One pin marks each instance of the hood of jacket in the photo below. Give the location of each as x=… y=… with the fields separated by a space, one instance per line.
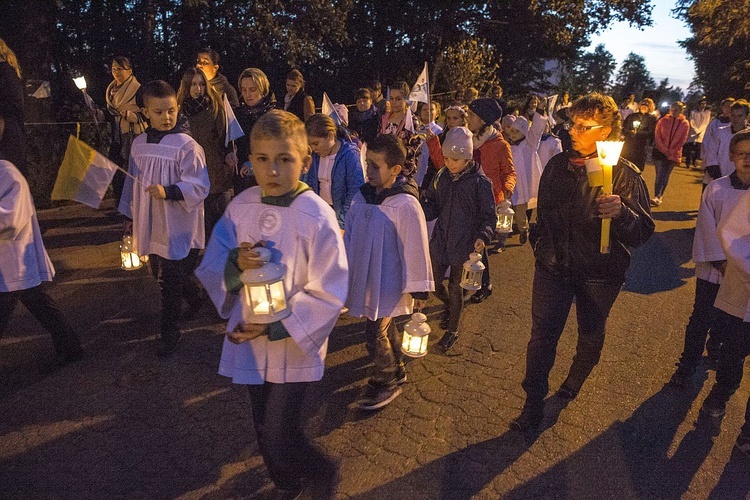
x=403 y=185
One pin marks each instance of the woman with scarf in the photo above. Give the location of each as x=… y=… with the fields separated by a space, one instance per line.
x=256 y=99
x=202 y=105
x=124 y=115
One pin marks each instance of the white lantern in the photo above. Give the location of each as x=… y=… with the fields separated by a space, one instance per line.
x=130 y=259
x=504 y=217
x=471 y=278
x=416 y=333
x=263 y=295
x=80 y=82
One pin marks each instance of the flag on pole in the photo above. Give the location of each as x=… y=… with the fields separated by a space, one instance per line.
x=330 y=109
x=232 y=129
x=84 y=174
x=551 y=103
x=420 y=92
x=43 y=92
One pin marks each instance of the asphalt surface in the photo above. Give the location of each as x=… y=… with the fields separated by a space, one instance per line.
x=123 y=423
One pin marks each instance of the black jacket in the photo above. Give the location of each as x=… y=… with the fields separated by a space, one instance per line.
x=567 y=236
x=464 y=207
x=13 y=143
x=637 y=139
x=367 y=124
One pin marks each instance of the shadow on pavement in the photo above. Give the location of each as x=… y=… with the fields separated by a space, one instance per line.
x=657 y=266
x=633 y=457
x=672 y=216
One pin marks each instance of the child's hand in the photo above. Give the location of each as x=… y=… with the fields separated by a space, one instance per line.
x=245 y=332
x=610 y=206
x=127 y=227
x=157 y=192
x=419 y=304
x=479 y=245
x=231 y=159
x=248 y=258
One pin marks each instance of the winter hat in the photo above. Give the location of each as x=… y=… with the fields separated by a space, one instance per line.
x=458 y=144
x=487 y=109
x=508 y=120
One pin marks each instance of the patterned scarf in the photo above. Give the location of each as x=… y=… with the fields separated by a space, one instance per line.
x=192 y=107
x=576 y=161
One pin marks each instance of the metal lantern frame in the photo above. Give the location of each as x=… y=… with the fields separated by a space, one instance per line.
x=471 y=276
x=505 y=216
x=130 y=261
x=263 y=295
x=416 y=335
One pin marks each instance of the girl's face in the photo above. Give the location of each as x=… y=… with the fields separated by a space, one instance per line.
x=513 y=134
x=454 y=118
x=424 y=114
x=197 y=87
x=398 y=101
x=119 y=73
x=250 y=92
x=292 y=87
x=475 y=123
x=322 y=145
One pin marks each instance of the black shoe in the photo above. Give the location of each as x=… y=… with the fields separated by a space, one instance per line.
x=529 y=420
x=524 y=237
x=481 y=295
x=194 y=305
x=401 y=375
x=566 y=393
x=168 y=346
x=65 y=358
x=448 y=340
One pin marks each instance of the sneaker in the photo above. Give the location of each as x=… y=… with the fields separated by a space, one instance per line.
x=375 y=396
x=743 y=444
x=656 y=201
x=448 y=340
x=168 y=346
x=444 y=322
x=481 y=295
x=713 y=411
x=65 y=358
x=400 y=374
x=524 y=237
x=529 y=420
x=683 y=377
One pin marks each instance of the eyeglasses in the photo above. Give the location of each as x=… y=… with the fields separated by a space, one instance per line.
x=744 y=155
x=578 y=128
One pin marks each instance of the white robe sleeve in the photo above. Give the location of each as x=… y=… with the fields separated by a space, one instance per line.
x=16 y=206
x=211 y=271
x=706 y=244
x=711 y=145
x=317 y=306
x=536 y=130
x=413 y=245
x=734 y=233
x=193 y=182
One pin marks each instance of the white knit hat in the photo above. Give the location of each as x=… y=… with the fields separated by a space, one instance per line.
x=458 y=144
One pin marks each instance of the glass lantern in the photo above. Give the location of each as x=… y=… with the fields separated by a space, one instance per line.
x=416 y=333
x=471 y=279
x=264 y=298
x=504 y=217
x=130 y=259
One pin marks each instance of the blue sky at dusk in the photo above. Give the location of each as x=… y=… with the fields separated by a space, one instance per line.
x=657 y=44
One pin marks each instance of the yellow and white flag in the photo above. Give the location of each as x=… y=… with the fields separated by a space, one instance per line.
x=84 y=174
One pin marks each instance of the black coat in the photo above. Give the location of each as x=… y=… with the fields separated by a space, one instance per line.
x=12 y=144
x=638 y=139
x=567 y=236
x=465 y=211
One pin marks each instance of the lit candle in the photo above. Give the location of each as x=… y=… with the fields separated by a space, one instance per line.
x=609 y=154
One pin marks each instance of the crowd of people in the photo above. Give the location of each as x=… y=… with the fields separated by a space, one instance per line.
x=371 y=208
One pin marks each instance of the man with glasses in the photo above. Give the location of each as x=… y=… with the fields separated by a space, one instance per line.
x=569 y=264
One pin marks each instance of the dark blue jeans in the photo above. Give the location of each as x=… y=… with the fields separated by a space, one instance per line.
x=551 y=298
x=704 y=319
x=663 y=171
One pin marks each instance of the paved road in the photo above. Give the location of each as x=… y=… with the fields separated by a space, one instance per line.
x=123 y=423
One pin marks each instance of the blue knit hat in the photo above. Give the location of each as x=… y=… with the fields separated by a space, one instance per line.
x=487 y=109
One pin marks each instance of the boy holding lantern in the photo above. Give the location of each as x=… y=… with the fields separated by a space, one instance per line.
x=569 y=262
x=461 y=199
x=278 y=360
x=387 y=246
x=165 y=203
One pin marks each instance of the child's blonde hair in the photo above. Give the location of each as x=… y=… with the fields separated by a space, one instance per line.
x=9 y=56
x=278 y=124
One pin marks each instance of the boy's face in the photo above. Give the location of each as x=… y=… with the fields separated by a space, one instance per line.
x=161 y=112
x=363 y=104
x=278 y=164
x=455 y=165
x=740 y=156
x=379 y=174
x=204 y=62
x=738 y=118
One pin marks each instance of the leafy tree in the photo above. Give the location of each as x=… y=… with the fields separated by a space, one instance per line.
x=668 y=92
x=592 y=71
x=633 y=78
x=720 y=45
x=469 y=63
